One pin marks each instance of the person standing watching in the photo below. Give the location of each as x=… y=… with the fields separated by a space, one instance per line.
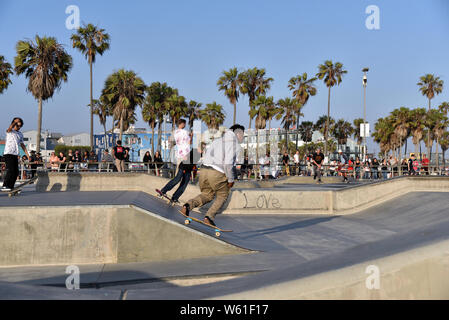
x=285 y=160
x=317 y=159
x=297 y=166
x=119 y=154
x=14 y=140
x=216 y=177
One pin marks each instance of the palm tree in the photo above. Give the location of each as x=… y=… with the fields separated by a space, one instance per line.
x=444 y=143
x=290 y=109
x=430 y=85
x=176 y=106
x=213 y=115
x=401 y=124
x=102 y=110
x=431 y=123
x=444 y=108
x=305 y=129
x=5 y=72
x=342 y=131
x=322 y=124
x=46 y=64
x=229 y=82
x=417 y=126
x=124 y=90
x=262 y=109
x=193 y=112
x=384 y=135
x=157 y=95
x=441 y=124
x=303 y=89
x=91 y=40
x=254 y=83
x=331 y=75
x=150 y=111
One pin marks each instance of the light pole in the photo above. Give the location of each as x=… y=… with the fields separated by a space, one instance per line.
x=364 y=82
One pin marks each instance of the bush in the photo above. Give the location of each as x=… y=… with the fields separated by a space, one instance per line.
x=65 y=149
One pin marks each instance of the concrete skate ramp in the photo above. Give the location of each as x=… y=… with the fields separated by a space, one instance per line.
x=52 y=235
x=263 y=197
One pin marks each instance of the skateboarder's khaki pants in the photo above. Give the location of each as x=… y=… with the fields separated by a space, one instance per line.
x=212 y=184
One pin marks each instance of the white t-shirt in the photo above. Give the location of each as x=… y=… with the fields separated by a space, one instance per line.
x=182 y=139
x=13 y=141
x=296 y=157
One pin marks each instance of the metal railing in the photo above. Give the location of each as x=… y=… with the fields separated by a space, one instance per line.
x=250 y=172
x=27 y=170
x=257 y=172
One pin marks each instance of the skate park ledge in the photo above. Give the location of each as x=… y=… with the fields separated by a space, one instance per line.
x=264 y=198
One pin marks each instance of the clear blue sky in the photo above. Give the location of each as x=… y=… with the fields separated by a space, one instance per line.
x=189 y=43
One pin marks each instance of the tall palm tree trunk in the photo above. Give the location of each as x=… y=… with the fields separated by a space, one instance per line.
x=91 y=107
x=159 y=136
x=257 y=146
x=428 y=140
x=437 y=154
x=152 y=140
x=326 y=132
x=39 y=125
x=235 y=111
x=121 y=127
x=297 y=133
x=105 y=135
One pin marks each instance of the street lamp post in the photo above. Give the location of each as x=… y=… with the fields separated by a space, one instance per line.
x=364 y=82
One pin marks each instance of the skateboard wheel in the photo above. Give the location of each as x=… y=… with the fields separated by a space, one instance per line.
x=217 y=233
x=186 y=221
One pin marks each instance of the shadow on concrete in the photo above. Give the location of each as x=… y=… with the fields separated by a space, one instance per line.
x=97 y=280
x=74 y=181
x=57 y=187
x=291 y=226
x=43 y=181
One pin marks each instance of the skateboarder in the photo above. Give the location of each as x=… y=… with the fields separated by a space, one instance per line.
x=216 y=177
x=185 y=163
x=14 y=140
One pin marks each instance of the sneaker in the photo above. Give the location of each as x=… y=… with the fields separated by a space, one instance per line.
x=185 y=210
x=175 y=201
x=6 y=189
x=209 y=221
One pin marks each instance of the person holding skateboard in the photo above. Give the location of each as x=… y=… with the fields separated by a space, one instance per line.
x=216 y=177
x=14 y=140
x=317 y=160
x=185 y=161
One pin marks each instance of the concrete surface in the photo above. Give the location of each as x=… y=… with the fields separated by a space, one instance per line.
x=296 y=256
x=66 y=231
x=286 y=195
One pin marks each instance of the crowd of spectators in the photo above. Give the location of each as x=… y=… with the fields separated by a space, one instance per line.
x=370 y=168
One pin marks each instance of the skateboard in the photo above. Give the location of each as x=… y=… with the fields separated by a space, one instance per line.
x=17 y=190
x=161 y=195
x=189 y=219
